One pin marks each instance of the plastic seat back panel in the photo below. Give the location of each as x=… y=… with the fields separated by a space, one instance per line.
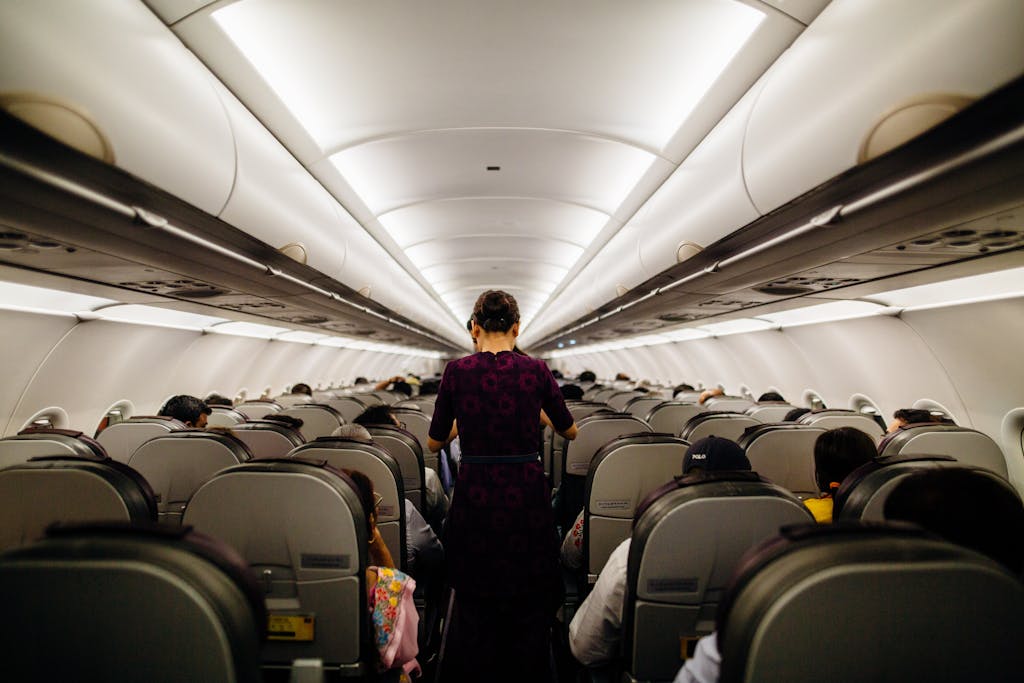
x=671 y=416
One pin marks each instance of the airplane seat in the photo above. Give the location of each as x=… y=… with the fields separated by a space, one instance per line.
x=688 y=538
x=161 y=604
x=603 y=394
x=425 y=404
x=640 y=406
x=578 y=410
x=301 y=527
x=258 y=408
x=385 y=474
x=622 y=473
x=833 y=418
x=619 y=399
x=317 y=419
x=388 y=398
x=728 y=425
x=69 y=489
x=590 y=391
x=177 y=464
x=968 y=446
x=407 y=452
x=350 y=407
x=371 y=398
x=594 y=432
x=854 y=602
x=291 y=400
x=120 y=440
x=769 y=411
x=783 y=454
x=267 y=439
x=42 y=441
x=729 y=404
x=224 y=416
x=863 y=493
x=417 y=423
x=670 y=417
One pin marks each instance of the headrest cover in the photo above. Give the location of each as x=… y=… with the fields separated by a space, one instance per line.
x=714 y=453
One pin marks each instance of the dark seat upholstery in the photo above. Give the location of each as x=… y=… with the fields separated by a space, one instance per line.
x=844 y=604
x=129 y=604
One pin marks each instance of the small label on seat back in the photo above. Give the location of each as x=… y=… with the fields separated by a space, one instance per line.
x=613 y=504
x=672 y=585
x=320 y=561
x=296 y=627
x=578 y=467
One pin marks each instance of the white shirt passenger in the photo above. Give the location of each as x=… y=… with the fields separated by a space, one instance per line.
x=596 y=630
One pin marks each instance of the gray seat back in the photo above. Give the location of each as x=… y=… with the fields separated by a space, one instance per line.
x=128 y=605
x=120 y=440
x=301 y=527
x=578 y=410
x=686 y=545
x=35 y=443
x=255 y=409
x=863 y=494
x=377 y=464
x=669 y=417
x=417 y=423
x=733 y=404
x=406 y=450
x=177 y=464
x=619 y=399
x=784 y=454
x=769 y=412
x=726 y=425
x=939 y=602
x=968 y=446
x=621 y=475
x=289 y=400
x=425 y=404
x=371 y=398
x=349 y=407
x=640 y=406
x=317 y=419
x=267 y=439
x=41 y=492
x=833 y=418
x=388 y=397
x=590 y=390
x=223 y=416
x=603 y=394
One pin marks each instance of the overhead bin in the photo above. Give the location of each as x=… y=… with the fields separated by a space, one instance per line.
x=115 y=70
x=865 y=70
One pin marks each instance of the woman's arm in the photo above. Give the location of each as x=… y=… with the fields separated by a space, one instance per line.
x=434 y=445
x=571 y=432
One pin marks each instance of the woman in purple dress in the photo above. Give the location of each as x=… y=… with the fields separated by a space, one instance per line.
x=500 y=537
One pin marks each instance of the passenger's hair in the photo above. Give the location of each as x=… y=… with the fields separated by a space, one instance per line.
x=770 y=396
x=966 y=507
x=376 y=415
x=838 y=452
x=402 y=387
x=355 y=432
x=284 y=420
x=642 y=390
x=218 y=400
x=557 y=374
x=587 y=376
x=429 y=387
x=361 y=380
x=364 y=489
x=185 y=408
x=913 y=415
x=571 y=392
x=795 y=414
x=496 y=311
x=302 y=388
x=621 y=377
x=680 y=388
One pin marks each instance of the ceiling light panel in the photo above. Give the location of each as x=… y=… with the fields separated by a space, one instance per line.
x=450 y=277
x=835 y=310
x=1000 y=284
x=494 y=249
x=399 y=171
x=47 y=300
x=248 y=330
x=301 y=336
x=534 y=63
x=153 y=315
x=737 y=326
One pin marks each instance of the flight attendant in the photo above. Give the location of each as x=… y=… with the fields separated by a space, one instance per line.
x=500 y=540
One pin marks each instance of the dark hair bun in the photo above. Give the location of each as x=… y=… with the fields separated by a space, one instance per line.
x=496 y=311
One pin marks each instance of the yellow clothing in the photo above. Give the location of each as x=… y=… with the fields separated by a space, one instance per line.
x=821 y=508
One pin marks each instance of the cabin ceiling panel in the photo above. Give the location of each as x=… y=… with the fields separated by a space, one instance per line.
x=449 y=277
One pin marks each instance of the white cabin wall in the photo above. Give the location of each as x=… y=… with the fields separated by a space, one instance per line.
x=85 y=367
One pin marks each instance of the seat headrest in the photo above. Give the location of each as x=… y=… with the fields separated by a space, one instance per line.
x=697 y=478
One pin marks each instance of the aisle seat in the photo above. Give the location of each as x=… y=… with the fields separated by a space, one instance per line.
x=43 y=441
x=406 y=450
x=120 y=440
x=418 y=424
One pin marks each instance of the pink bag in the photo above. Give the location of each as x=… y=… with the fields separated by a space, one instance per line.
x=395 y=620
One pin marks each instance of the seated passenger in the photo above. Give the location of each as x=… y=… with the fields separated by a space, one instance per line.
x=218 y=400
x=587 y=376
x=837 y=452
x=361 y=380
x=302 y=389
x=595 y=631
x=771 y=396
x=961 y=506
x=681 y=388
x=388 y=593
x=396 y=383
x=571 y=392
x=435 y=503
x=795 y=414
x=186 y=409
x=909 y=416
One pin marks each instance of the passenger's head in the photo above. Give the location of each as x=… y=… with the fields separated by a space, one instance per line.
x=571 y=392
x=187 y=409
x=557 y=374
x=587 y=376
x=377 y=415
x=965 y=507
x=838 y=452
x=429 y=387
x=496 y=312
x=361 y=380
x=364 y=488
x=680 y=388
x=284 y=420
x=909 y=416
x=402 y=388
x=795 y=414
x=713 y=454
x=771 y=396
x=355 y=432
x=302 y=388
x=218 y=400
x=621 y=377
